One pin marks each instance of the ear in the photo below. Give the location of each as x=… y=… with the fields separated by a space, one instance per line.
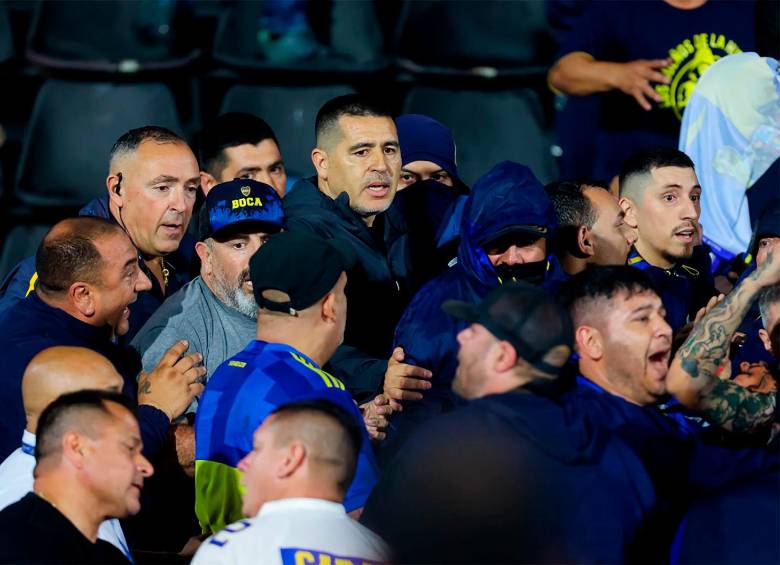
x=506 y=358
x=585 y=242
x=73 y=449
x=204 y=253
x=764 y=336
x=629 y=207
x=293 y=460
x=82 y=298
x=112 y=181
x=329 y=308
x=589 y=342
x=207 y=182
x=320 y=161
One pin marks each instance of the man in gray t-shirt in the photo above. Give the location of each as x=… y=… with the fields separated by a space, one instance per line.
x=216 y=312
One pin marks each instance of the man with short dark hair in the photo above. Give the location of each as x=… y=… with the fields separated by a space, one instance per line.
x=302 y=312
x=216 y=313
x=660 y=195
x=358 y=160
x=152 y=182
x=52 y=373
x=521 y=480
x=591 y=226
x=89 y=275
x=303 y=459
x=89 y=467
x=624 y=345
x=237 y=145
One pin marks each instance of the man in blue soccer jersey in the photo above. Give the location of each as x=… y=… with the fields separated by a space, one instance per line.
x=298 y=281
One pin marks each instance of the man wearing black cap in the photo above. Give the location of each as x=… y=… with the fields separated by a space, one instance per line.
x=298 y=281
x=504 y=231
x=509 y=478
x=216 y=313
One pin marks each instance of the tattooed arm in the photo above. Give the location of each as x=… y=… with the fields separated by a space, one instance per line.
x=693 y=376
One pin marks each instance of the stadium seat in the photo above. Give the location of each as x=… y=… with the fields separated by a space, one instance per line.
x=486 y=38
x=21 y=242
x=489 y=127
x=121 y=36
x=6 y=39
x=290 y=111
x=64 y=158
x=320 y=37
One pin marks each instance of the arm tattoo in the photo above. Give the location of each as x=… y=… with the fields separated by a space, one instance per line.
x=145 y=386
x=724 y=403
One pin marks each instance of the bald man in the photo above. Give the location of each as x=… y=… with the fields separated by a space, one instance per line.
x=50 y=374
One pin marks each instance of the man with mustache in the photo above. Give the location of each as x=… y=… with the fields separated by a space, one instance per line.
x=358 y=162
x=216 y=312
x=89 y=468
x=152 y=182
x=661 y=195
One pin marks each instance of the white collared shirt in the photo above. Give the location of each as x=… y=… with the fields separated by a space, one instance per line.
x=294 y=531
x=16 y=480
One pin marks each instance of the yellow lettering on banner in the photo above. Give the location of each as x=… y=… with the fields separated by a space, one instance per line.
x=325 y=559
x=303 y=558
x=340 y=561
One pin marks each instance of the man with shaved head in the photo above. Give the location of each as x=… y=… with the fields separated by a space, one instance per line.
x=151 y=185
x=88 y=468
x=52 y=373
x=88 y=276
x=660 y=195
x=303 y=458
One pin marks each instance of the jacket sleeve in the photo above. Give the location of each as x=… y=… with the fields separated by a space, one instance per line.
x=362 y=374
x=19 y=282
x=154 y=425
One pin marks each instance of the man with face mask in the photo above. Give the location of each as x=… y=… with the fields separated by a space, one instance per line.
x=506 y=223
x=216 y=313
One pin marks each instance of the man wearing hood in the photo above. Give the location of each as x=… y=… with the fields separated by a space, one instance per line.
x=430 y=195
x=506 y=223
x=510 y=477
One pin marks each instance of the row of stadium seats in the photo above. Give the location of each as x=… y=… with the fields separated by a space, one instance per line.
x=486 y=38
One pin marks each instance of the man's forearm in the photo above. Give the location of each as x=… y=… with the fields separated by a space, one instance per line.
x=579 y=74
x=693 y=377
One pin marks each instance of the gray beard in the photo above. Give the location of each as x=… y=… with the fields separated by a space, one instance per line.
x=235 y=298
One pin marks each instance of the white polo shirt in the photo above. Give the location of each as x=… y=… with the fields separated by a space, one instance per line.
x=295 y=531
x=16 y=480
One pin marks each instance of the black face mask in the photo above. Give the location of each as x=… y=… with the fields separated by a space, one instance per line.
x=532 y=273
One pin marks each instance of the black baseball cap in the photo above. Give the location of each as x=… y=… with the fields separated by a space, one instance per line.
x=240 y=203
x=302 y=265
x=524 y=315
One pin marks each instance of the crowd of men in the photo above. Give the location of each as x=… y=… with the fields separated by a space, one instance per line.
x=379 y=363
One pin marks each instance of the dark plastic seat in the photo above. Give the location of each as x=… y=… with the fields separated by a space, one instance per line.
x=485 y=38
x=120 y=36
x=21 y=242
x=321 y=37
x=6 y=39
x=290 y=111
x=64 y=159
x=489 y=127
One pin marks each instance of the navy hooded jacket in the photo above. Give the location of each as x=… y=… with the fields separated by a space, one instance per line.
x=507 y=195
x=511 y=478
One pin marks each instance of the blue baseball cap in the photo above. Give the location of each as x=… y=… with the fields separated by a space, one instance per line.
x=240 y=202
x=424 y=139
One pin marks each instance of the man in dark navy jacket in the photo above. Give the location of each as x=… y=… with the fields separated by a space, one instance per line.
x=624 y=346
x=152 y=183
x=661 y=196
x=88 y=276
x=510 y=477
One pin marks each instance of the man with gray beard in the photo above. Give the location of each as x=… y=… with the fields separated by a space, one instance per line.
x=216 y=312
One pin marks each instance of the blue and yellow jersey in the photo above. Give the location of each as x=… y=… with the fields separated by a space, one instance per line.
x=241 y=393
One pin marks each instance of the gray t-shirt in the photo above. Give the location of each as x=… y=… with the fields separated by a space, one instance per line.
x=193 y=313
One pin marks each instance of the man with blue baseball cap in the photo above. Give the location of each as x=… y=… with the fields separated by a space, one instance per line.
x=216 y=312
